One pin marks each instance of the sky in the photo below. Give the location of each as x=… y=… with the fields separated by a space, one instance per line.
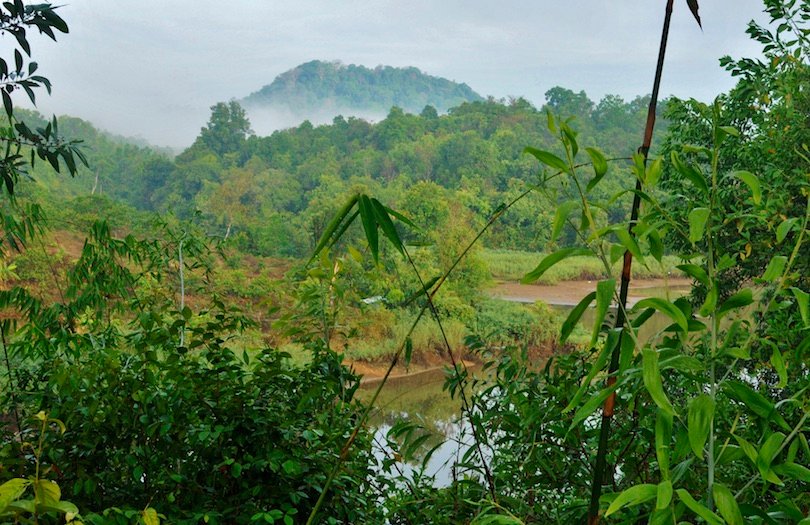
x=151 y=69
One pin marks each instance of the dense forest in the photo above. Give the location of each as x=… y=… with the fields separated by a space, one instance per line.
x=181 y=334
x=319 y=88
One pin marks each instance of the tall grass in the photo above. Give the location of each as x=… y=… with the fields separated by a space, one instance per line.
x=512 y=265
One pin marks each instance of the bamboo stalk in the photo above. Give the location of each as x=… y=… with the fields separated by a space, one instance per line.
x=601 y=471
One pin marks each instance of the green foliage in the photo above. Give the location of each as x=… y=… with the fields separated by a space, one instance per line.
x=18 y=137
x=351 y=88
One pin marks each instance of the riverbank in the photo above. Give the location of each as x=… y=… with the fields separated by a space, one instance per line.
x=564 y=294
x=569 y=293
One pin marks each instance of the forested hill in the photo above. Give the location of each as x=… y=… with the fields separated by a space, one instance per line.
x=318 y=91
x=276 y=193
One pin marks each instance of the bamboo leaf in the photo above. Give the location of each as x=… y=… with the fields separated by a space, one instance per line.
x=656 y=245
x=727 y=505
x=663 y=495
x=756 y=402
x=698 y=508
x=740 y=299
x=574 y=316
x=547 y=158
x=654 y=171
x=632 y=497
x=663 y=436
x=652 y=380
x=629 y=243
x=592 y=404
x=690 y=173
x=560 y=216
x=802 y=299
x=699 y=419
x=665 y=307
x=696 y=272
x=368 y=218
x=387 y=225
x=604 y=296
x=778 y=363
x=793 y=471
x=551 y=260
x=332 y=227
x=599 y=167
x=598 y=366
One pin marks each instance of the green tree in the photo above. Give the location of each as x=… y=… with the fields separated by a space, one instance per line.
x=227 y=128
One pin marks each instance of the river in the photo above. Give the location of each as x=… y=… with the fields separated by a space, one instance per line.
x=420 y=399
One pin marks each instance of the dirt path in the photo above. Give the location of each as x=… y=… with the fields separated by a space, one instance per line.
x=569 y=293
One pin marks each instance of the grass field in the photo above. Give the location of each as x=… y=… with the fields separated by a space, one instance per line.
x=512 y=265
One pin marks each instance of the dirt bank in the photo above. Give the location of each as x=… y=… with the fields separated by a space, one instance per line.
x=569 y=293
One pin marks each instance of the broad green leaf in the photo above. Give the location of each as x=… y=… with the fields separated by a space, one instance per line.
x=726 y=504
x=665 y=307
x=47 y=491
x=752 y=182
x=739 y=300
x=560 y=216
x=604 y=296
x=784 y=228
x=778 y=364
x=633 y=496
x=690 y=173
x=547 y=158
x=664 y=495
x=150 y=516
x=698 y=508
x=65 y=507
x=700 y=417
x=663 y=436
x=698 y=218
x=599 y=166
x=574 y=316
x=629 y=243
x=551 y=260
x=652 y=380
x=775 y=268
x=12 y=490
x=802 y=299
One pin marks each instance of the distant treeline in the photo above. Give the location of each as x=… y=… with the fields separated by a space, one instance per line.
x=276 y=194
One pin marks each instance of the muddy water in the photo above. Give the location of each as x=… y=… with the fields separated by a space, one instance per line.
x=420 y=398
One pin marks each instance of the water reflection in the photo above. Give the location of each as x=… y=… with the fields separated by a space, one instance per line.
x=420 y=399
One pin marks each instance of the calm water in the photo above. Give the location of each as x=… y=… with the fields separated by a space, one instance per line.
x=420 y=399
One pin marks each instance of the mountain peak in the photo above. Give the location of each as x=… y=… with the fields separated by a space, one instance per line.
x=319 y=90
